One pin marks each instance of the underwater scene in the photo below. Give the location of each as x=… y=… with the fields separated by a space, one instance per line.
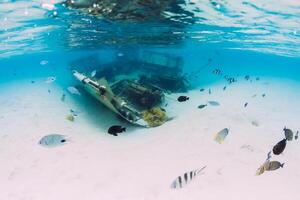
x=149 y=99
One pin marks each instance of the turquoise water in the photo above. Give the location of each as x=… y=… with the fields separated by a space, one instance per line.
x=256 y=38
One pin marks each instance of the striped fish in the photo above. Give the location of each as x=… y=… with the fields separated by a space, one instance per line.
x=184 y=179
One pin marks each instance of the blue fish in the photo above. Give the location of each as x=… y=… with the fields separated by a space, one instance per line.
x=53 y=140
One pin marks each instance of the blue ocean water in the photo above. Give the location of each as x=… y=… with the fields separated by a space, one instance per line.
x=257 y=38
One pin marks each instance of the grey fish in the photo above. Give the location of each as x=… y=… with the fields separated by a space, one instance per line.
x=263 y=95
x=202 y=106
x=245 y=105
x=272 y=165
x=289 y=135
x=202 y=89
x=213 y=103
x=184 y=179
x=247 y=77
x=53 y=140
x=296 y=136
x=224 y=88
x=209 y=91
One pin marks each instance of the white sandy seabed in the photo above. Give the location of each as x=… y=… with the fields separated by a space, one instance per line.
x=142 y=163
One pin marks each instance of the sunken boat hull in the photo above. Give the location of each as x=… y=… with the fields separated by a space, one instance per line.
x=135 y=103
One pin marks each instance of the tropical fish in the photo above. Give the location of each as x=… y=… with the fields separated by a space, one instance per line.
x=202 y=106
x=70 y=117
x=73 y=90
x=75 y=113
x=279 y=147
x=53 y=140
x=247 y=77
x=296 y=136
x=213 y=103
x=186 y=178
x=272 y=165
x=93 y=73
x=245 y=105
x=221 y=135
x=216 y=71
x=114 y=130
x=289 y=135
x=63 y=97
x=262 y=168
x=44 y=62
x=202 y=89
x=255 y=123
x=182 y=98
x=50 y=79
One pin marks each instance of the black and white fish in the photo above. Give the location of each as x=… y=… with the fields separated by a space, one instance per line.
x=213 y=103
x=114 y=130
x=53 y=140
x=289 y=135
x=186 y=178
x=182 y=98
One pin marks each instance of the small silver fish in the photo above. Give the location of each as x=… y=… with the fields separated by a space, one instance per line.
x=50 y=79
x=93 y=73
x=184 y=179
x=213 y=103
x=221 y=135
x=73 y=90
x=53 y=140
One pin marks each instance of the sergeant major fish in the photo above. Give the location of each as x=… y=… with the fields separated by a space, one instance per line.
x=184 y=179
